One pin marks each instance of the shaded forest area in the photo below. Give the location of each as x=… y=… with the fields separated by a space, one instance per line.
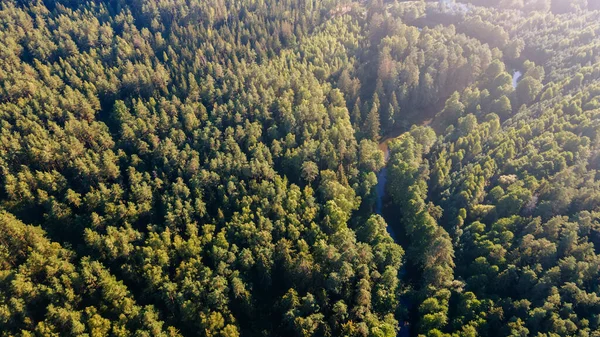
x=209 y=168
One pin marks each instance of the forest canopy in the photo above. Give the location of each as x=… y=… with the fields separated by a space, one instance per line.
x=229 y=168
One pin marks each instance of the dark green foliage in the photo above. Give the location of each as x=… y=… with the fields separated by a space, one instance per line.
x=196 y=159
x=509 y=191
x=183 y=168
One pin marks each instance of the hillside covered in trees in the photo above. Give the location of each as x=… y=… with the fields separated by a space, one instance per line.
x=229 y=168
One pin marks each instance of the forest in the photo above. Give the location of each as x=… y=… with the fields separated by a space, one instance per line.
x=359 y=168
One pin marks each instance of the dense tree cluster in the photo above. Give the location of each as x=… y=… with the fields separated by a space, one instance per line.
x=510 y=182
x=192 y=169
x=183 y=168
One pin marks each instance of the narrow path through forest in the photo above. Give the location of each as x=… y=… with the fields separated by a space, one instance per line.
x=380 y=190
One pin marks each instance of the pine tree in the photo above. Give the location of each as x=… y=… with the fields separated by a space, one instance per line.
x=395 y=106
x=387 y=118
x=356 y=116
x=372 y=125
